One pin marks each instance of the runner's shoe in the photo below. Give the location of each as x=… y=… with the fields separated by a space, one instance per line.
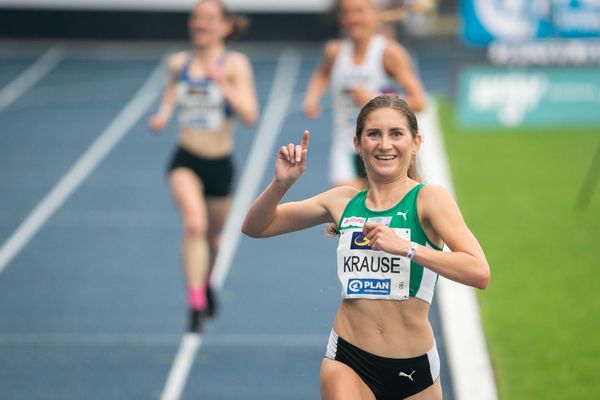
x=196 y=320
x=211 y=301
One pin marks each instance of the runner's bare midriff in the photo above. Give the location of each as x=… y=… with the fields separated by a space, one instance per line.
x=208 y=143
x=388 y=328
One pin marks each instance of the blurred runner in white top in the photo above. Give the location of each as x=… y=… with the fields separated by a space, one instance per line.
x=359 y=67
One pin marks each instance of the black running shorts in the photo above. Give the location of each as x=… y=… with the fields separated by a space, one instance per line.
x=216 y=174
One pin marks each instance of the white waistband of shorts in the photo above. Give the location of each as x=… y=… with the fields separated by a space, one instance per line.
x=332 y=345
x=434 y=361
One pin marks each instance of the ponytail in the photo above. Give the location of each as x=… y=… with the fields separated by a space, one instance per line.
x=413 y=170
x=239 y=25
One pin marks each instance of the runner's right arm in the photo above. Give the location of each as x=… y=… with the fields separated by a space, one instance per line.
x=320 y=80
x=267 y=217
x=160 y=119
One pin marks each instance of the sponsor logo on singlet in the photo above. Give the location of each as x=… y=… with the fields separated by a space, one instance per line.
x=369 y=286
x=353 y=221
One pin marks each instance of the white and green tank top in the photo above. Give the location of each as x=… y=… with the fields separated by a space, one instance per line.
x=372 y=274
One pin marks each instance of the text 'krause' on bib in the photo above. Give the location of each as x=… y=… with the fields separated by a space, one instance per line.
x=371 y=274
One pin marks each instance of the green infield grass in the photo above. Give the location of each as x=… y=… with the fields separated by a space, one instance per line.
x=518 y=190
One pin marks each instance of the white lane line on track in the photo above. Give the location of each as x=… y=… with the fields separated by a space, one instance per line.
x=470 y=367
x=107 y=140
x=184 y=359
x=31 y=75
x=260 y=154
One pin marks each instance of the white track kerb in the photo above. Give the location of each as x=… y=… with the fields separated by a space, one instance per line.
x=468 y=359
x=260 y=154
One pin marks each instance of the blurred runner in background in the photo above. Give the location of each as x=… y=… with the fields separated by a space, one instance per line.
x=359 y=67
x=210 y=85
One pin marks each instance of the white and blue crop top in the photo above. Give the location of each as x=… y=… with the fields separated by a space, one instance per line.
x=201 y=103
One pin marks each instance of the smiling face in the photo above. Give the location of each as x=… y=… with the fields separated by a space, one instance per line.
x=358 y=18
x=207 y=24
x=387 y=144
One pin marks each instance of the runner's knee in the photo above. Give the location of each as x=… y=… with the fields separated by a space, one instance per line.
x=194 y=226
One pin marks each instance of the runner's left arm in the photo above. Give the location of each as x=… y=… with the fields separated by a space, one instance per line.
x=237 y=84
x=398 y=65
x=466 y=263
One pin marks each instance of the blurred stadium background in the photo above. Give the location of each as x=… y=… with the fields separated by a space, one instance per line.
x=517 y=84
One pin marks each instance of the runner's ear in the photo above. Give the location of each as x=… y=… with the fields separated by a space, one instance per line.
x=357 y=145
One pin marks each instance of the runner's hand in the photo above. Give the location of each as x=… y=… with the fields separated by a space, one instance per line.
x=214 y=72
x=291 y=161
x=360 y=95
x=311 y=109
x=383 y=238
x=157 y=122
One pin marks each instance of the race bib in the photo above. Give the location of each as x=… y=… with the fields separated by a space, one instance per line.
x=371 y=274
x=202 y=106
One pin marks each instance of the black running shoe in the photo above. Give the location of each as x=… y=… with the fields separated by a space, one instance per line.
x=211 y=302
x=196 y=321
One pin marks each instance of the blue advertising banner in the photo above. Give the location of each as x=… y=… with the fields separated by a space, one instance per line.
x=485 y=21
x=517 y=97
x=576 y=18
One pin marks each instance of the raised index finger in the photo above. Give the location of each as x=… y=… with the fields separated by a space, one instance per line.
x=304 y=143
